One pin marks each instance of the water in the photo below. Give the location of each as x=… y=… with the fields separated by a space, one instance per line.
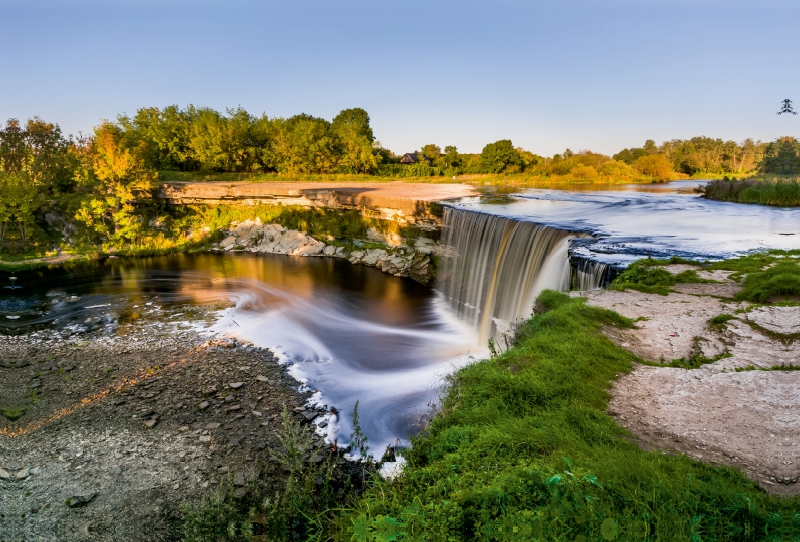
x=500 y=266
x=629 y=222
x=350 y=331
x=354 y=333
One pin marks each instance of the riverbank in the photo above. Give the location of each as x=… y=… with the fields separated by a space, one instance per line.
x=531 y=442
x=775 y=192
x=106 y=434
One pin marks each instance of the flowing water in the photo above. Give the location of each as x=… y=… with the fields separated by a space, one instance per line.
x=354 y=333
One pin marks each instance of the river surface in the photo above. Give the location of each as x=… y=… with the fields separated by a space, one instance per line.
x=628 y=222
x=351 y=331
x=356 y=334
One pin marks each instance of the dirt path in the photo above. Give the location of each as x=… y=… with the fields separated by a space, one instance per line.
x=746 y=419
x=134 y=422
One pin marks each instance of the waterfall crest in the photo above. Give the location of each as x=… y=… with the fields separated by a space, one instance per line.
x=500 y=266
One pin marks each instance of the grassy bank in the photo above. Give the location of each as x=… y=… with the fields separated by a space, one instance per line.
x=523 y=449
x=777 y=192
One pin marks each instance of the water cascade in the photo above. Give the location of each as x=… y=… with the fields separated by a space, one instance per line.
x=500 y=266
x=591 y=275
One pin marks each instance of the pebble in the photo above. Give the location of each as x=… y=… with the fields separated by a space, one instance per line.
x=205 y=438
x=203 y=405
x=4 y=474
x=212 y=425
x=236 y=385
x=80 y=500
x=256 y=413
x=261 y=378
x=150 y=423
x=22 y=474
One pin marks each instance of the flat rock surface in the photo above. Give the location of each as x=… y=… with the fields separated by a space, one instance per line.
x=746 y=418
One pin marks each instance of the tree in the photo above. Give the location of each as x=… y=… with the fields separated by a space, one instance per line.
x=305 y=144
x=499 y=156
x=113 y=181
x=654 y=165
x=358 y=153
x=432 y=152
x=166 y=133
x=782 y=157
x=450 y=158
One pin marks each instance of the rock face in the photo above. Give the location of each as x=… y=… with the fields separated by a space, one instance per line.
x=401 y=260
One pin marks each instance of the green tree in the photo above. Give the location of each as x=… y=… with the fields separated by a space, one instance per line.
x=451 y=158
x=358 y=154
x=113 y=182
x=432 y=152
x=782 y=157
x=305 y=144
x=166 y=134
x=498 y=156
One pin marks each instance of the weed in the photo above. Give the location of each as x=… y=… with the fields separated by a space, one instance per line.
x=696 y=357
x=719 y=321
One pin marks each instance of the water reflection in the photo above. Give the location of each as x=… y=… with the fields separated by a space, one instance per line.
x=350 y=331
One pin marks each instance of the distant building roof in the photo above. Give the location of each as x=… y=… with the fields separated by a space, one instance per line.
x=413 y=158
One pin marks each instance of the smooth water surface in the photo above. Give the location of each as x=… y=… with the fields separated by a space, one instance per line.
x=350 y=331
x=631 y=221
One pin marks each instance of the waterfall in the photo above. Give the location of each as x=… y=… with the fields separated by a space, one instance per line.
x=592 y=275
x=499 y=267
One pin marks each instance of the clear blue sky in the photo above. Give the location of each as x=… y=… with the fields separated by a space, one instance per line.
x=584 y=74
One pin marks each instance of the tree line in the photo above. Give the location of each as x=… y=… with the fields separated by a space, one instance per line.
x=103 y=183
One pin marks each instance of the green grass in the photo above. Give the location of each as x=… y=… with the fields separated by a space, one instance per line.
x=719 y=321
x=523 y=449
x=648 y=276
x=777 y=192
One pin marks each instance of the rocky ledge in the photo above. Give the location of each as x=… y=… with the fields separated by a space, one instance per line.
x=412 y=260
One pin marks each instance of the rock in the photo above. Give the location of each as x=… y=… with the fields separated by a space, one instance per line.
x=329 y=250
x=150 y=423
x=35 y=471
x=261 y=378
x=373 y=256
x=235 y=385
x=212 y=425
x=232 y=408
x=356 y=255
x=234 y=442
x=118 y=402
x=203 y=405
x=238 y=479
x=22 y=474
x=240 y=493
x=205 y=438
x=228 y=242
x=4 y=474
x=81 y=500
x=256 y=413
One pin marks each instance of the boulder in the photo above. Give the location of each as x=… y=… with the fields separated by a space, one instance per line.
x=373 y=256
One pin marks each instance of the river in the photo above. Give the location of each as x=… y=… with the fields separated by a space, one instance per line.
x=355 y=334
